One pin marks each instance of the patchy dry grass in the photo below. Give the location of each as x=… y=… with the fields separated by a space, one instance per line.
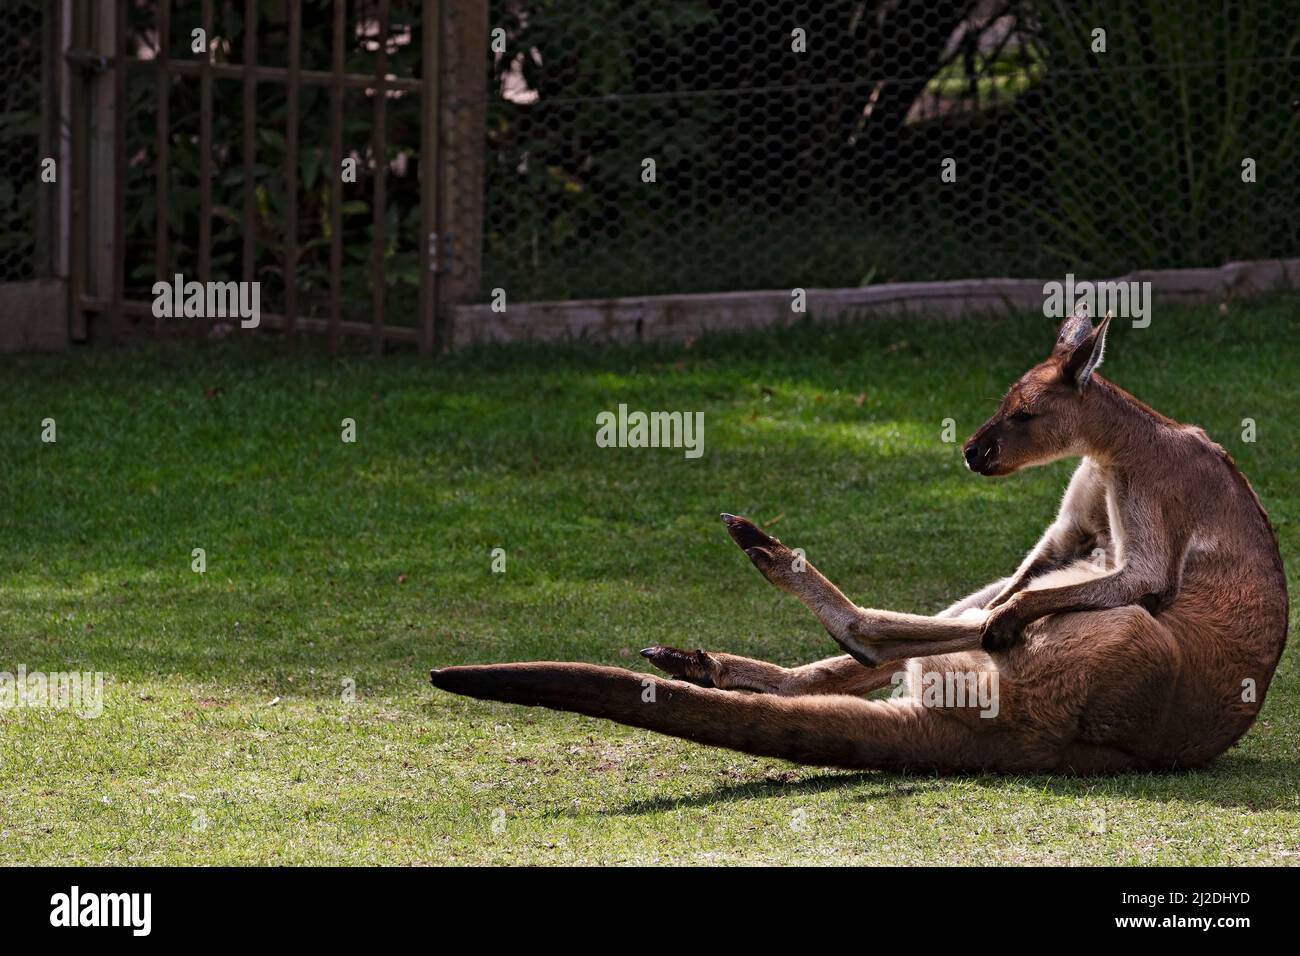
x=226 y=737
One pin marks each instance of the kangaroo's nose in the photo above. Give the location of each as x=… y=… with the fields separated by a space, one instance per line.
x=972 y=455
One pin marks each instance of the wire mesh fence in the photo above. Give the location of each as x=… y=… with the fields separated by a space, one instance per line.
x=21 y=62
x=661 y=146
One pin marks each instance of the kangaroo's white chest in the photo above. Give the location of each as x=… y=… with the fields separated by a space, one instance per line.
x=1115 y=525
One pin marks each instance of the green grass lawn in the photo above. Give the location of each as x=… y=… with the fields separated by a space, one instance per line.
x=227 y=735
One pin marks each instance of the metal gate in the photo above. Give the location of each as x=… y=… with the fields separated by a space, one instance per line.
x=301 y=144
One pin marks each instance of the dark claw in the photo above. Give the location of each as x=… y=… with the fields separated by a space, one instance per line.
x=691 y=666
x=747 y=534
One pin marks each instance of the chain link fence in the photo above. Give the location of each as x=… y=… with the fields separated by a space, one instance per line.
x=663 y=146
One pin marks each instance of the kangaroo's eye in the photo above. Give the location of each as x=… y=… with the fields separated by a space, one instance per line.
x=1021 y=416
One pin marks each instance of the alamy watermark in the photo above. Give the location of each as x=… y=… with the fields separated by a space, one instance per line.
x=949 y=689
x=626 y=429
x=1127 y=300
x=79 y=691
x=133 y=911
x=179 y=299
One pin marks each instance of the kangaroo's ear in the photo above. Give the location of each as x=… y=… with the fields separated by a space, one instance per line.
x=1074 y=330
x=1086 y=355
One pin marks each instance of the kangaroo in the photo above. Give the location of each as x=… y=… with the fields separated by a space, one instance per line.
x=1139 y=634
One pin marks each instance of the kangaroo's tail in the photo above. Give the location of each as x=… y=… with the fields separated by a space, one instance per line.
x=823 y=730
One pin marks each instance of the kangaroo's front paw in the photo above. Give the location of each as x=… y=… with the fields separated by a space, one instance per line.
x=1003 y=629
x=774 y=560
x=694 y=666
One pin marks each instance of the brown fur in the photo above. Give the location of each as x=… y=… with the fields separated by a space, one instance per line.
x=1129 y=638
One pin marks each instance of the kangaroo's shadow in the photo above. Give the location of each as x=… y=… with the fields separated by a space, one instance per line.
x=754 y=789
x=1234 y=781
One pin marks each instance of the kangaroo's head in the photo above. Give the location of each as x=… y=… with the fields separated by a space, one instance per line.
x=1039 y=420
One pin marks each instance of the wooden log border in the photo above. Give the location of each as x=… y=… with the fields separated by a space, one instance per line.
x=675 y=318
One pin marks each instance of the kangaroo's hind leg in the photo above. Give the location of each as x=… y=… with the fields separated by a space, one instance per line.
x=835 y=675
x=873 y=637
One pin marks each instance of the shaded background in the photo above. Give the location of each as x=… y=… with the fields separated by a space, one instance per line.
x=774 y=168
